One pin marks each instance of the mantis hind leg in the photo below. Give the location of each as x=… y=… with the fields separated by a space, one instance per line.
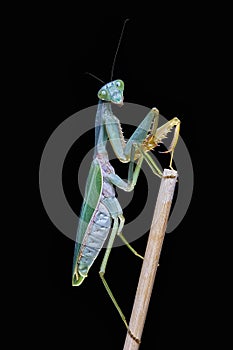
x=114 y=232
x=103 y=269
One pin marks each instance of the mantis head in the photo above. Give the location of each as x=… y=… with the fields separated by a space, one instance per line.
x=112 y=92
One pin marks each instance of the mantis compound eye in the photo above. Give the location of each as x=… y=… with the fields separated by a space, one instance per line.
x=102 y=94
x=119 y=84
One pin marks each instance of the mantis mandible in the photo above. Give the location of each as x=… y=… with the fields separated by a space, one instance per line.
x=101 y=212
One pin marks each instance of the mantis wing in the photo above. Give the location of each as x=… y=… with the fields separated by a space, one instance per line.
x=92 y=195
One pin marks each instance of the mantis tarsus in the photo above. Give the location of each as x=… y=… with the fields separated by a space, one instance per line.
x=101 y=212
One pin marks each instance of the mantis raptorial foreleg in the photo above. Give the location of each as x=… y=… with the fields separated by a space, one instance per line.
x=145 y=138
x=157 y=135
x=174 y=122
x=122 y=149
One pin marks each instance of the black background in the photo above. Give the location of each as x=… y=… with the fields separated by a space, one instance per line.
x=161 y=58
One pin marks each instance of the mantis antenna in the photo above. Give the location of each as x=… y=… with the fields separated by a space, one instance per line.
x=94 y=76
x=114 y=60
x=118 y=45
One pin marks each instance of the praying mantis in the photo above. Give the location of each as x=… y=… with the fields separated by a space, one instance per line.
x=101 y=213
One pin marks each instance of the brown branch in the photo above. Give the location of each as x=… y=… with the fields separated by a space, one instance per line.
x=151 y=259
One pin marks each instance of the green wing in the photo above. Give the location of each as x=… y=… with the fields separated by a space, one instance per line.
x=92 y=194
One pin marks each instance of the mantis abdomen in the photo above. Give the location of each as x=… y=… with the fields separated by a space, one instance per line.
x=99 y=208
x=96 y=234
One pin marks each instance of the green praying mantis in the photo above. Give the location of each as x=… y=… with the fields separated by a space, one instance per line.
x=101 y=213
